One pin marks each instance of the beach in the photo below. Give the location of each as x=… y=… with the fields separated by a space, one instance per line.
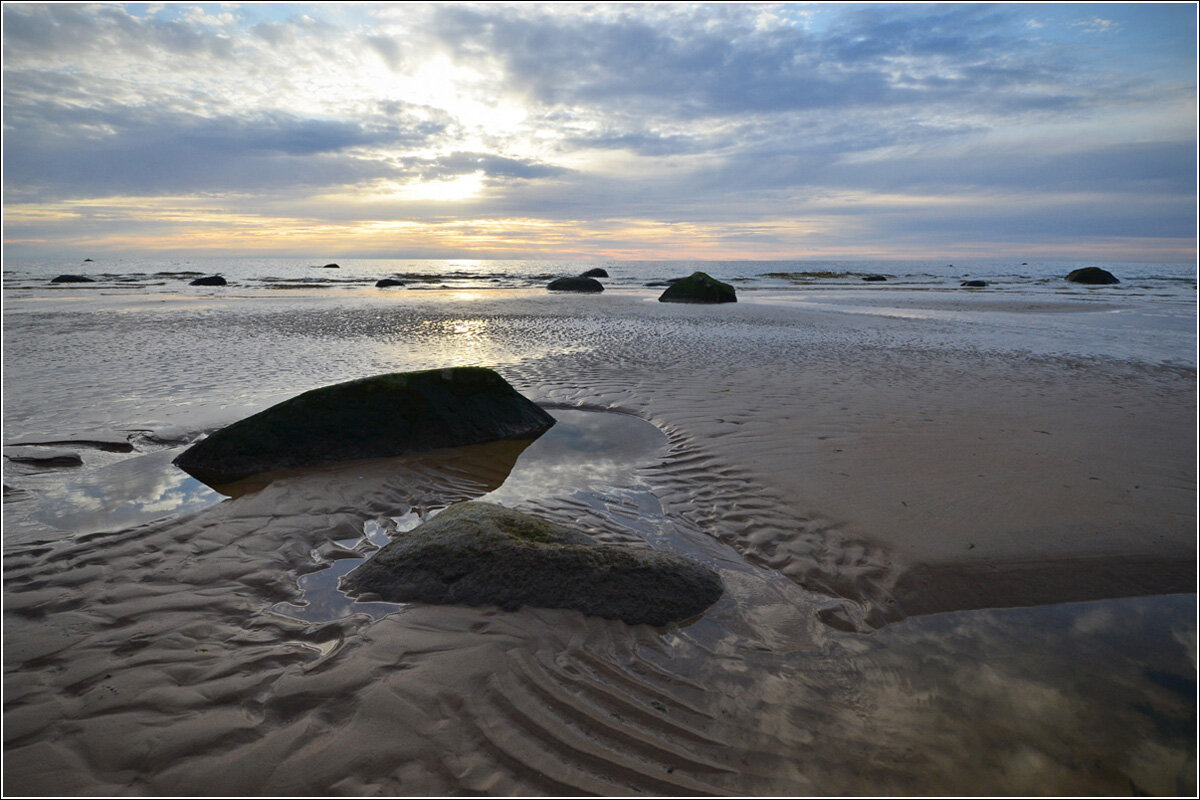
x=956 y=531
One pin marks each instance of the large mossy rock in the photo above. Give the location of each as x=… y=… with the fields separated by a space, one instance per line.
x=699 y=287
x=579 y=284
x=1093 y=276
x=483 y=554
x=378 y=417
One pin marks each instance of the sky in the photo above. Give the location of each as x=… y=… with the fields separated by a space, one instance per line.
x=601 y=131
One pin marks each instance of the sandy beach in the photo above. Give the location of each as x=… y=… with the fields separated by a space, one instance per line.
x=953 y=563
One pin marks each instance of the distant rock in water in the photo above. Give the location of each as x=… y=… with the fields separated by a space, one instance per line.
x=43 y=456
x=86 y=260
x=73 y=279
x=386 y=282
x=211 y=280
x=580 y=284
x=377 y=417
x=668 y=282
x=874 y=277
x=699 y=287
x=974 y=284
x=1092 y=275
x=484 y=554
x=595 y=272
x=331 y=266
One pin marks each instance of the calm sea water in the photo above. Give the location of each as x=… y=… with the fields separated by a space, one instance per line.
x=170 y=273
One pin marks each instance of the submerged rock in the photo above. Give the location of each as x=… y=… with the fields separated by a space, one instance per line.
x=595 y=272
x=580 y=284
x=43 y=456
x=211 y=280
x=976 y=284
x=386 y=282
x=331 y=266
x=73 y=279
x=377 y=417
x=699 y=287
x=874 y=277
x=483 y=554
x=1092 y=275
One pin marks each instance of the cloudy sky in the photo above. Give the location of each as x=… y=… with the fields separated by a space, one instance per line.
x=601 y=131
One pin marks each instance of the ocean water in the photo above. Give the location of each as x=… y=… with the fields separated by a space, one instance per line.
x=1004 y=276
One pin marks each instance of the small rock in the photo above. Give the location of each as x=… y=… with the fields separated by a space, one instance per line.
x=43 y=457
x=976 y=284
x=386 y=282
x=331 y=266
x=73 y=279
x=699 y=287
x=580 y=284
x=874 y=278
x=1092 y=276
x=211 y=280
x=596 y=272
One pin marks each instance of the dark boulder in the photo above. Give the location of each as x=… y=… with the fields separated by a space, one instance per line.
x=377 y=417
x=874 y=278
x=483 y=554
x=73 y=279
x=595 y=272
x=1093 y=276
x=211 y=280
x=386 y=282
x=976 y=284
x=699 y=287
x=86 y=260
x=331 y=266
x=580 y=284
x=668 y=282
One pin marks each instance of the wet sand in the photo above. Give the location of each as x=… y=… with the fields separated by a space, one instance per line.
x=861 y=484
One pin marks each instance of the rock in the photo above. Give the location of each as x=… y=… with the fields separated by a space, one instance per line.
x=483 y=554
x=386 y=282
x=974 y=284
x=377 y=417
x=669 y=282
x=331 y=266
x=43 y=456
x=73 y=279
x=1093 y=276
x=595 y=272
x=211 y=280
x=874 y=277
x=580 y=284
x=699 y=287
x=86 y=260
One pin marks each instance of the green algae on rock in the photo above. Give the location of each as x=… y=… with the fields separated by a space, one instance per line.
x=699 y=287
x=483 y=554
x=376 y=417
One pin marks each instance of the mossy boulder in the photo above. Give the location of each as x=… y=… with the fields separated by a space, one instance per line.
x=579 y=284
x=483 y=554
x=377 y=417
x=1093 y=276
x=699 y=287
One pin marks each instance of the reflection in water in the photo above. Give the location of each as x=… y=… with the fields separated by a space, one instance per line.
x=130 y=492
x=587 y=457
